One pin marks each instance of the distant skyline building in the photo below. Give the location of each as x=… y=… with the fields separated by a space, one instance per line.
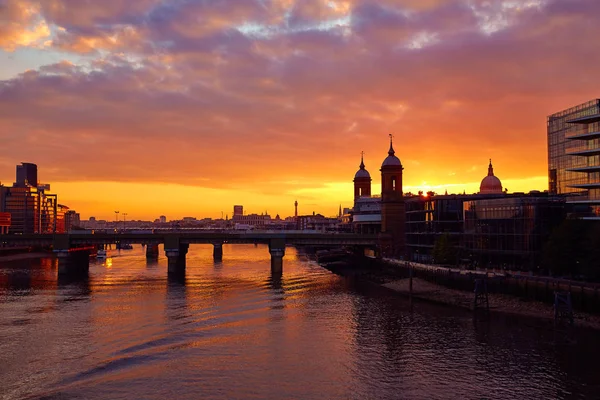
x=574 y=157
x=238 y=210
x=27 y=175
x=490 y=184
x=162 y=219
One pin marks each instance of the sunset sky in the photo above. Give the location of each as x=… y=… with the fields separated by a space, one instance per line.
x=185 y=108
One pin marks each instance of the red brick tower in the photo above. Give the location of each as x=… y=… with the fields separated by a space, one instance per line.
x=362 y=181
x=392 y=204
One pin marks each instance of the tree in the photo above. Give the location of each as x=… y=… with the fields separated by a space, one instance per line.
x=573 y=250
x=444 y=251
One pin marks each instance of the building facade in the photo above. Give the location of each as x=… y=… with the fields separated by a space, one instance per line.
x=574 y=157
x=392 y=205
x=510 y=232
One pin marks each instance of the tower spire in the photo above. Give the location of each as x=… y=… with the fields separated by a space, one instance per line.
x=362 y=162
x=490 y=169
x=391 y=152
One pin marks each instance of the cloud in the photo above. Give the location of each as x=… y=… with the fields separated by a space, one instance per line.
x=21 y=25
x=242 y=94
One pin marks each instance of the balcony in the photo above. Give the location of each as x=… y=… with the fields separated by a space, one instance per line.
x=586 y=185
x=585 y=136
x=586 y=153
x=595 y=168
x=588 y=119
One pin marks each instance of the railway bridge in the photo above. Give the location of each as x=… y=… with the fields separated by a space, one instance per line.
x=73 y=249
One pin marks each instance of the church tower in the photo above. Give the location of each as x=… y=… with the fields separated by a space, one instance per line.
x=362 y=181
x=393 y=216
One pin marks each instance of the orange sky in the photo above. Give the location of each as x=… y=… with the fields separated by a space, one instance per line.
x=185 y=109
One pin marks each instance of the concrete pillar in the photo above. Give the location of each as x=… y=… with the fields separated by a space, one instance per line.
x=176 y=253
x=218 y=251
x=174 y=262
x=152 y=251
x=277 y=251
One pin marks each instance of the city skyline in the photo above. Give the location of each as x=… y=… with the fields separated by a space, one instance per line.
x=188 y=109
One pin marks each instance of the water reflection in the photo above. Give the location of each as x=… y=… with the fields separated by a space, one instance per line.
x=233 y=329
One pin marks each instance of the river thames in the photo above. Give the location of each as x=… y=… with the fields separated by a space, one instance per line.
x=230 y=330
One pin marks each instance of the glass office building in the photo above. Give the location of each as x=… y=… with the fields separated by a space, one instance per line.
x=32 y=210
x=574 y=157
x=510 y=232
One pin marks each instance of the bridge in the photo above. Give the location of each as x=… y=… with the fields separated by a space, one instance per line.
x=73 y=249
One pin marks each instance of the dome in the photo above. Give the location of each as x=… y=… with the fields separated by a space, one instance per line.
x=490 y=184
x=362 y=172
x=391 y=159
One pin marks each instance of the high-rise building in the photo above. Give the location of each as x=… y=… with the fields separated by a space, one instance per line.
x=27 y=175
x=574 y=157
x=32 y=210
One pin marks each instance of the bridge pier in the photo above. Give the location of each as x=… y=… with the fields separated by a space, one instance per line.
x=73 y=262
x=152 y=251
x=176 y=259
x=277 y=251
x=218 y=251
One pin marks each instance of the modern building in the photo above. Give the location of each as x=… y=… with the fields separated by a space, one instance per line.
x=574 y=157
x=27 y=175
x=32 y=210
x=509 y=232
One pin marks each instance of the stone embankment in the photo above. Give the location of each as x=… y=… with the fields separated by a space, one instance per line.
x=394 y=275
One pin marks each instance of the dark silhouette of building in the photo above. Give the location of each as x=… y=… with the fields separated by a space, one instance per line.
x=362 y=181
x=392 y=204
x=27 y=175
x=490 y=184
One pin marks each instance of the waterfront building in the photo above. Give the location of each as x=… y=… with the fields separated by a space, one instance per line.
x=510 y=232
x=32 y=210
x=162 y=219
x=317 y=222
x=574 y=157
x=72 y=220
x=255 y=221
x=365 y=216
x=392 y=204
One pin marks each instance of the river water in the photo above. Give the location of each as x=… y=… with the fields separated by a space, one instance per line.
x=230 y=330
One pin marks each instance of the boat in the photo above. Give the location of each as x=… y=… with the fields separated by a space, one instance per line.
x=101 y=254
